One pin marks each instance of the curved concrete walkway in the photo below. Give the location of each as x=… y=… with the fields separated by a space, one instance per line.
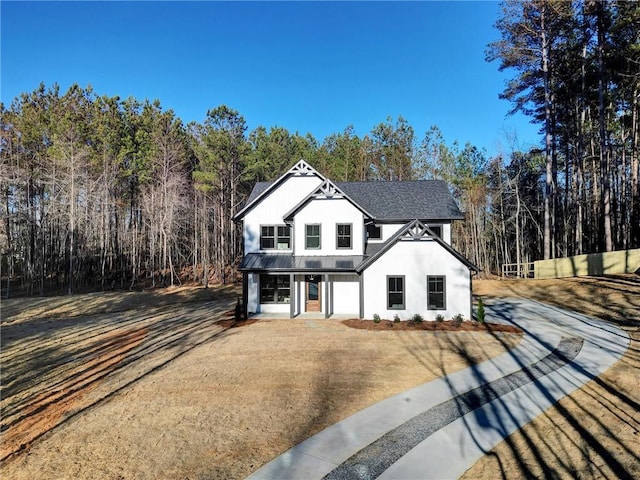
x=441 y=428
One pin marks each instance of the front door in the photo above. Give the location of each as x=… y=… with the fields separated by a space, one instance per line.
x=314 y=293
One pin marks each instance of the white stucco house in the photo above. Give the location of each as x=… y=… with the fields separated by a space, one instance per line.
x=357 y=248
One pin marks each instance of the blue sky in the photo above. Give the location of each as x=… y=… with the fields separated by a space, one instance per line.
x=308 y=67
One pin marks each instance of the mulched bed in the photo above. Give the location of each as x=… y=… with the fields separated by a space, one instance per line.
x=444 y=326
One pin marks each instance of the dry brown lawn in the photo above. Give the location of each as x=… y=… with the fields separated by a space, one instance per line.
x=157 y=384
x=594 y=432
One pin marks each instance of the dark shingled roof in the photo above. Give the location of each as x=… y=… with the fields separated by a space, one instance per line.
x=404 y=200
x=395 y=200
x=258 y=188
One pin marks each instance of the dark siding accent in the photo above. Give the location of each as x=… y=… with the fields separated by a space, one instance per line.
x=361 y=281
x=245 y=295
x=326 y=296
x=292 y=296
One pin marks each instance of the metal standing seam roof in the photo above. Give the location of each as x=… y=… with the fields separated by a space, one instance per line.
x=394 y=200
x=288 y=263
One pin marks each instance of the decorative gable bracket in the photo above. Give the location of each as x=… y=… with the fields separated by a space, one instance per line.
x=417 y=231
x=302 y=168
x=328 y=190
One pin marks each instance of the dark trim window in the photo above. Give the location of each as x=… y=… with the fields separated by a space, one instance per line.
x=284 y=237
x=275 y=289
x=275 y=236
x=395 y=293
x=343 y=231
x=437 y=229
x=374 y=232
x=436 y=292
x=267 y=237
x=312 y=237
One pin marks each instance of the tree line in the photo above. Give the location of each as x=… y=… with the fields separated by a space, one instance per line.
x=100 y=192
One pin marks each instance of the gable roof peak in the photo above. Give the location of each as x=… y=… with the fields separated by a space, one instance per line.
x=329 y=190
x=302 y=168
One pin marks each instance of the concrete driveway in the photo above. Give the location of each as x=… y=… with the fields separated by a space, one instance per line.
x=441 y=428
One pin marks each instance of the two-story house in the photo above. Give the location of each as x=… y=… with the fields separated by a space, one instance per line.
x=357 y=248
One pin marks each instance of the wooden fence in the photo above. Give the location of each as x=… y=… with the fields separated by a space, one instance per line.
x=518 y=270
x=606 y=263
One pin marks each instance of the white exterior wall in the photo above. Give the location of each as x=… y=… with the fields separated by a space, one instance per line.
x=389 y=230
x=329 y=212
x=415 y=260
x=271 y=209
x=446 y=233
x=346 y=294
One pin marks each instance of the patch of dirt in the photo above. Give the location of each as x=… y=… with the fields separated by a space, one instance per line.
x=443 y=326
x=46 y=409
x=595 y=431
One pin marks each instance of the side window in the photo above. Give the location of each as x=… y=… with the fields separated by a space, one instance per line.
x=395 y=293
x=436 y=293
x=267 y=237
x=374 y=232
x=437 y=229
x=343 y=239
x=312 y=237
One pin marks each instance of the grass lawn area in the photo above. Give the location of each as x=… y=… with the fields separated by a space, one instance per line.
x=154 y=384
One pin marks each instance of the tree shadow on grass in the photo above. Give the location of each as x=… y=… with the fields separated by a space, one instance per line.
x=535 y=453
x=82 y=367
x=589 y=446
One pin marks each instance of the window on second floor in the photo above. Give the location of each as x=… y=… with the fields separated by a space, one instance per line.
x=374 y=232
x=343 y=231
x=275 y=237
x=312 y=236
x=437 y=229
x=284 y=237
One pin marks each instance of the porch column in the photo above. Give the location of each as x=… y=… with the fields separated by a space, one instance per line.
x=326 y=296
x=292 y=296
x=361 y=288
x=245 y=293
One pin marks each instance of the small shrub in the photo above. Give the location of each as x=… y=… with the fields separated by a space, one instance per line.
x=417 y=318
x=439 y=318
x=480 y=312
x=396 y=318
x=457 y=320
x=376 y=318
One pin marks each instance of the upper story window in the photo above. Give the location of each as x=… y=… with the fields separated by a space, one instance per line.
x=312 y=236
x=374 y=232
x=275 y=237
x=343 y=231
x=284 y=237
x=437 y=229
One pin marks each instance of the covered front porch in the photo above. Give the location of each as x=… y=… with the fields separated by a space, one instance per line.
x=303 y=316
x=318 y=294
